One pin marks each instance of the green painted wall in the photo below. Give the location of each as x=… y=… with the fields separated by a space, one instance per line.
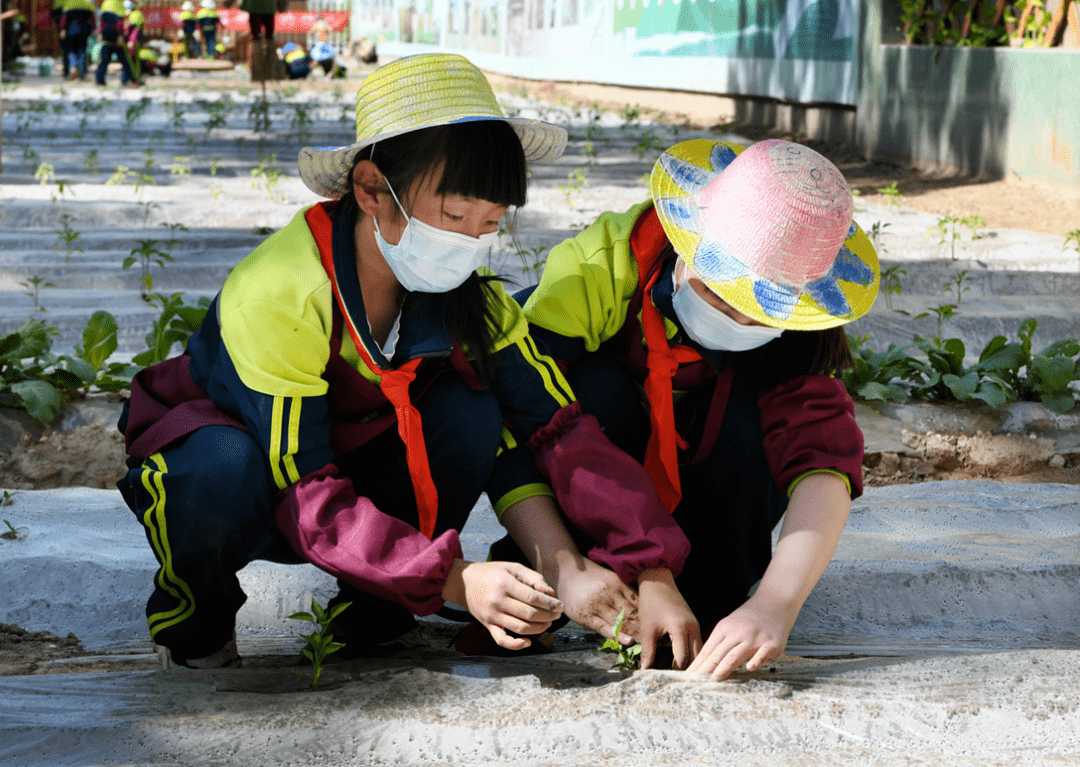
x=1000 y=110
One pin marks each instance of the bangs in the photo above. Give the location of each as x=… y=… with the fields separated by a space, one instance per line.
x=480 y=158
x=484 y=159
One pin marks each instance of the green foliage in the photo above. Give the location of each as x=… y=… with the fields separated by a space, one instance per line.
x=320 y=642
x=33 y=287
x=175 y=324
x=217 y=113
x=575 y=182
x=946 y=227
x=269 y=175
x=628 y=656
x=1074 y=238
x=1005 y=372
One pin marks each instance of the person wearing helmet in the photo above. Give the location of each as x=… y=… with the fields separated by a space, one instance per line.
x=114 y=42
x=297 y=62
x=324 y=55
x=207 y=16
x=188 y=23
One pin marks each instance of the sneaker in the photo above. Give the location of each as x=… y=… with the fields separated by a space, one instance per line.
x=226 y=657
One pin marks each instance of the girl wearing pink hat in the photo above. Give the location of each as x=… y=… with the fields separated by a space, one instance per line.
x=703 y=328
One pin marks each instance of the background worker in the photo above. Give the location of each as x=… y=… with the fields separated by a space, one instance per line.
x=297 y=62
x=57 y=14
x=77 y=25
x=114 y=42
x=188 y=24
x=324 y=56
x=134 y=40
x=207 y=16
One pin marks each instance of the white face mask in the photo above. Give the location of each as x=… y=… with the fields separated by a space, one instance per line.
x=431 y=260
x=709 y=326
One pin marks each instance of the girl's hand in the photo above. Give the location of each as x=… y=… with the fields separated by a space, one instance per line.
x=755 y=633
x=503 y=596
x=664 y=611
x=594 y=596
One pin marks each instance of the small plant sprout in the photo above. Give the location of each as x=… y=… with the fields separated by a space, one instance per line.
x=877 y=231
x=91 y=161
x=946 y=227
x=268 y=176
x=136 y=111
x=181 y=167
x=944 y=313
x=892 y=194
x=890 y=283
x=215 y=165
x=68 y=236
x=575 y=182
x=125 y=175
x=12 y=533
x=1074 y=238
x=145 y=255
x=320 y=642
x=629 y=657
x=216 y=191
x=45 y=173
x=147 y=209
x=6 y=500
x=149 y=164
x=301 y=122
x=957 y=284
x=33 y=287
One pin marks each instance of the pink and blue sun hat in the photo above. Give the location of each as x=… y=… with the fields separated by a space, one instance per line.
x=416 y=92
x=769 y=229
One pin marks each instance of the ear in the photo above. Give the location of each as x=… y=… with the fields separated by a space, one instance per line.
x=367 y=182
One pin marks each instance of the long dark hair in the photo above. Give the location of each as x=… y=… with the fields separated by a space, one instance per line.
x=481 y=159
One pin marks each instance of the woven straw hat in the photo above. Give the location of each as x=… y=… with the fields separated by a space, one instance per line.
x=417 y=92
x=769 y=229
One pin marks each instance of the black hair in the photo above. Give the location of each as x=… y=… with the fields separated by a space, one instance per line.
x=481 y=159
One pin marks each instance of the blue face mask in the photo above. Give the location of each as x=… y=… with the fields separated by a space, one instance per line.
x=709 y=326
x=431 y=260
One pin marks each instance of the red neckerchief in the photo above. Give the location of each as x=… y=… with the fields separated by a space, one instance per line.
x=393 y=383
x=661 y=455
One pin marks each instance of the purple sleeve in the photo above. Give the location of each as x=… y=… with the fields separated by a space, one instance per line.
x=346 y=536
x=607 y=495
x=809 y=423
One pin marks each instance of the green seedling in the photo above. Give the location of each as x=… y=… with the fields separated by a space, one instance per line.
x=91 y=161
x=946 y=227
x=629 y=657
x=124 y=175
x=146 y=255
x=215 y=165
x=44 y=174
x=147 y=209
x=217 y=113
x=262 y=231
x=135 y=112
x=320 y=642
x=957 y=284
x=259 y=115
x=877 y=231
x=12 y=533
x=892 y=194
x=33 y=287
x=890 y=283
x=149 y=164
x=301 y=122
x=629 y=114
x=575 y=182
x=6 y=500
x=647 y=143
x=68 y=236
x=268 y=176
x=29 y=155
x=944 y=313
x=216 y=191
x=181 y=167
x=1074 y=238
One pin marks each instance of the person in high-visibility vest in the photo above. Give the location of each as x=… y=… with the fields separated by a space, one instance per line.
x=297 y=62
x=114 y=41
x=57 y=15
x=134 y=39
x=188 y=22
x=153 y=62
x=76 y=26
x=207 y=16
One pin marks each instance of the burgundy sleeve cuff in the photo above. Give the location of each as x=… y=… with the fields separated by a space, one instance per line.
x=809 y=424
x=608 y=495
x=328 y=525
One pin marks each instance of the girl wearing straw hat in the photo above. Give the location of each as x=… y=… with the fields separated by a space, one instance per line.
x=702 y=328
x=343 y=402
